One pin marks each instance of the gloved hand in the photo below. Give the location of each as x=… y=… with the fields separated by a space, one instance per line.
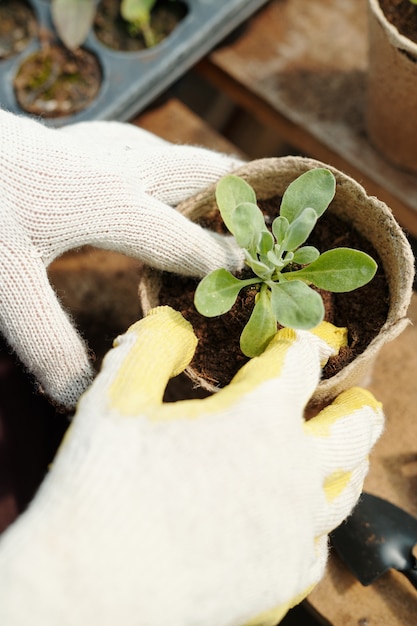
x=101 y=183
x=205 y=512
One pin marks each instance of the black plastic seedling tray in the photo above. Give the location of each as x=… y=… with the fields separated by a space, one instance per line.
x=132 y=80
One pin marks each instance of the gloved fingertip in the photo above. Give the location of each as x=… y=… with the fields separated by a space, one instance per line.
x=327 y=339
x=165 y=326
x=64 y=387
x=356 y=398
x=154 y=349
x=347 y=404
x=334 y=336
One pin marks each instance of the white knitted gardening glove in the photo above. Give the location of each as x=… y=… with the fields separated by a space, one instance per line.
x=199 y=512
x=102 y=183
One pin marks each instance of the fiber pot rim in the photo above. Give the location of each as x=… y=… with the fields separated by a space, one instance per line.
x=385 y=235
x=397 y=39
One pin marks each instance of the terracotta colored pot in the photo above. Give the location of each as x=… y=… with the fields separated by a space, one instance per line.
x=368 y=215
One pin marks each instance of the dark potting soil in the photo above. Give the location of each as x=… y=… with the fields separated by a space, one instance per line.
x=403 y=15
x=18 y=25
x=116 y=33
x=54 y=81
x=218 y=356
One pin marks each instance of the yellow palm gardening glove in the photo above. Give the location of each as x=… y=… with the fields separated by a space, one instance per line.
x=208 y=512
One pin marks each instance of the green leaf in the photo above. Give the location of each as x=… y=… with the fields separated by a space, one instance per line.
x=217 y=292
x=231 y=191
x=305 y=255
x=260 y=328
x=339 y=270
x=273 y=258
x=288 y=257
x=260 y=269
x=315 y=189
x=136 y=11
x=295 y=305
x=300 y=229
x=279 y=228
x=73 y=20
x=266 y=243
x=247 y=223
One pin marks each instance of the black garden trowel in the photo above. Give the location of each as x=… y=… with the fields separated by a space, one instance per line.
x=378 y=536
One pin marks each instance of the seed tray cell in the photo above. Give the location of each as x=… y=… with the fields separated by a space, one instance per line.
x=132 y=80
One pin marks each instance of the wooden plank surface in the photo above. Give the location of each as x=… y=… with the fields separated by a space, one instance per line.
x=175 y=122
x=301 y=68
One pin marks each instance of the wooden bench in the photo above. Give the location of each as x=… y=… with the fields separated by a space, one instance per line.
x=300 y=69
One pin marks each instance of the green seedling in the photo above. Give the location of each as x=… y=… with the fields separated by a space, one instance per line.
x=282 y=267
x=73 y=20
x=138 y=14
